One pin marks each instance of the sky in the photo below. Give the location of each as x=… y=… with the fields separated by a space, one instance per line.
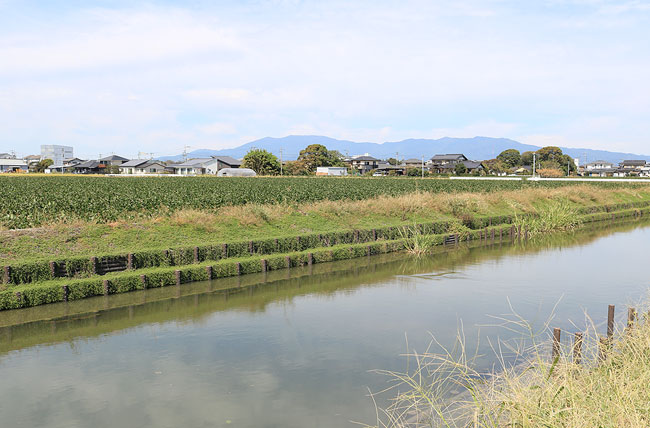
x=127 y=76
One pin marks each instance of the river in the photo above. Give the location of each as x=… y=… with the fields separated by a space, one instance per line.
x=296 y=348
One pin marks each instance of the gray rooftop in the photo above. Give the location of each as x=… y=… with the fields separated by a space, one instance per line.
x=134 y=163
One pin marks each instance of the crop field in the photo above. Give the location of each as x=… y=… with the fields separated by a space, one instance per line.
x=34 y=201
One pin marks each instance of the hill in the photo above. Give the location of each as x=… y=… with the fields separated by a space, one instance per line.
x=478 y=148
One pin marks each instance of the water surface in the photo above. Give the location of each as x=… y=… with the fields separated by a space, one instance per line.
x=294 y=348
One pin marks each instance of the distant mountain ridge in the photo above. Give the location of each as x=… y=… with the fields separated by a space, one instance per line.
x=477 y=148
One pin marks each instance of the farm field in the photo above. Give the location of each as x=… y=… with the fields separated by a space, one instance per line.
x=66 y=235
x=32 y=201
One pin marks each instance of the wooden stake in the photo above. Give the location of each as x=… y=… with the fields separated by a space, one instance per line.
x=556 y=342
x=631 y=317
x=577 y=348
x=610 y=321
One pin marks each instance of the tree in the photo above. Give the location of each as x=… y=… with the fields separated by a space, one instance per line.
x=527 y=158
x=43 y=165
x=460 y=169
x=510 y=157
x=550 y=153
x=496 y=166
x=316 y=155
x=392 y=161
x=262 y=162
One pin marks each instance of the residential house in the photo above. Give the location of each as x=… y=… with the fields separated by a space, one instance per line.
x=66 y=166
x=364 y=163
x=384 y=168
x=198 y=166
x=7 y=156
x=226 y=162
x=445 y=164
x=332 y=170
x=113 y=160
x=632 y=167
x=599 y=165
x=32 y=160
x=142 y=166
x=13 y=165
x=89 y=167
x=413 y=163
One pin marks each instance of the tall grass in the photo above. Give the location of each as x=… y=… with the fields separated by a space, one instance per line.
x=555 y=217
x=529 y=388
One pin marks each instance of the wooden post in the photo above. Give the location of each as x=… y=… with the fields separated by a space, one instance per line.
x=177 y=274
x=288 y=260
x=196 y=254
x=250 y=247
x=577 y=348
x=129 y=261
x=610 y=322
x=93 y=265
x=208 y=270
x=53 y=269
x=264 y=266
x=602 y=349
x=143 y=280
x=276 y=244
x=310 y=258
x=106 y=286
x=66 y=293
x=631 y=317
x=368 y=250
x=6 y=275
x=238 y=268
x=556 y=342
x=374 y=234
x=224 y=251
x=356 y=236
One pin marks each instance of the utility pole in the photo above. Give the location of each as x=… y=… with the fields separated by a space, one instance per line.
x=568 y=168
x=422 y=166
x=280 y=160
x=534 y=163
x=396 y=158
x=185 y=153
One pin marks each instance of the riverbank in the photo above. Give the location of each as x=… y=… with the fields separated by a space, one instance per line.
x=192 y=227
x=597 y=378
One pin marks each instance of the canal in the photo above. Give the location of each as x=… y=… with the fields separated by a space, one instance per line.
x=296 y=348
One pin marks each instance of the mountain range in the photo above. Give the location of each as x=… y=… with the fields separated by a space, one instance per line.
x=477 y=148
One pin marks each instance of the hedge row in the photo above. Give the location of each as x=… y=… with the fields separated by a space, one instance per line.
x=80 y=267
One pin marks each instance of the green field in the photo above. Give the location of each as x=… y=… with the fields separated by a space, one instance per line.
x=31 y=201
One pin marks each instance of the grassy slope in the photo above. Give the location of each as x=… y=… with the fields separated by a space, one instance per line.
x=192 y=227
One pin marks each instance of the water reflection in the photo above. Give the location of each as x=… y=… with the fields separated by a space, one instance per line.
x=290 y=348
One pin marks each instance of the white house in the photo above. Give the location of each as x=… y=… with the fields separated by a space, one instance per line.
x=142 y=166
x=599 y=165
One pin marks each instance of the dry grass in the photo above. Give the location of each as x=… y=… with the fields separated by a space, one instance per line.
x=531 y=389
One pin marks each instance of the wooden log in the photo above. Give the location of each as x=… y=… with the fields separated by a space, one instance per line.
x=143 y=280
x=177 y=274
x=374 y=234
x=238 y=268
x=556 y=342
x=93 y=265
x=310 y=258
x=196 y=254
x=106 y=286
x=610 y=322
x=208 y=270
x=288 y=261
x=577 y=348
x=264 y=265
x=250 y=247
x=66 y=293
x=129 y=261
x=53 y=269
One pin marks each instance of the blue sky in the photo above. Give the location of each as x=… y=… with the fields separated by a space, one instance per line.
x=128 y=76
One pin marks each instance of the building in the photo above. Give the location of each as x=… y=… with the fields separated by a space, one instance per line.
x=364 y=163
x=332 y=170
x=57 y=153
x=413 y=163
x=7 y=156
x=201 y=166
x=384 y=168
x=142 y=166
x=89 y=167
x=632 y=164
x=13 y=165
x=113 y=160
x=226 y=162
x=598 y=165
x=445 y=164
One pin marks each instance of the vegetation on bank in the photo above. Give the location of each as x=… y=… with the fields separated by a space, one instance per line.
x=605 y=384
x=188 y=227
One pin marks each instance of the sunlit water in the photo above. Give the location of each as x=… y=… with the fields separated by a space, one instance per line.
x=294 y=348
